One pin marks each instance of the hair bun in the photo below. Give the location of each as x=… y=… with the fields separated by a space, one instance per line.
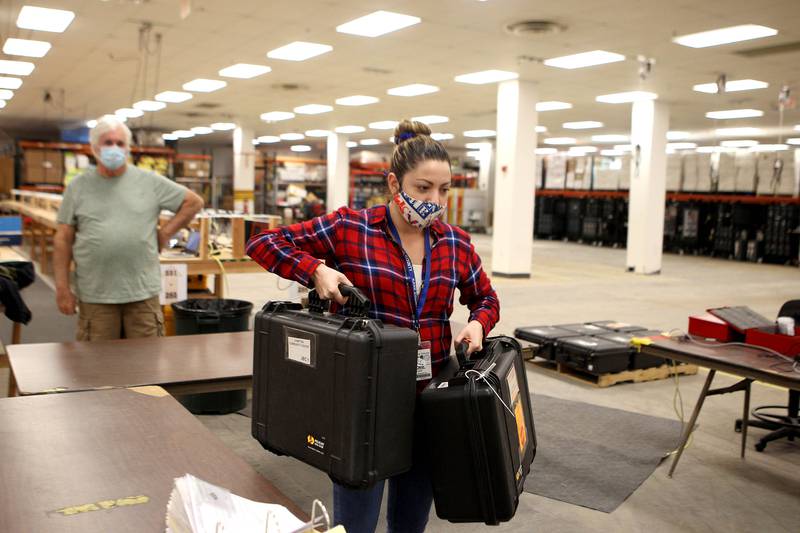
x=408 y=129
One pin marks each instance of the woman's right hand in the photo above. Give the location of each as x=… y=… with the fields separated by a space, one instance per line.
x=326 y=283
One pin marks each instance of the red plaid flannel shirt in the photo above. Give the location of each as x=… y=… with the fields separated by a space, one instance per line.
x=359 y=244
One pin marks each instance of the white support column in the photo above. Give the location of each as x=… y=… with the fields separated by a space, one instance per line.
x=244 y=170
x=338 y=172
x=649 y=125
x=512 y=232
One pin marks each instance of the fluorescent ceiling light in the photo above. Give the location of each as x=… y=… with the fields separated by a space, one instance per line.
x=5 y=94
x=149 y=105
x=173 y=97
x=677 y=135
x=612 y=153
x=91 y=123
x=583 y=149
x=2 y=104
x=731 y=86
x=44 y=19
x=300 y=148
x=415 y=89
x=275 y=116
x=734 y=132
x=477 y=146
x=611 y=138
x=486 y=76
x=292 y=136
x=739 y=144
x=223 y=126
x=317 y=133
x=797 y=128
x=183 y=134
x=352 y=144
x=203 y=85
x=769 y=148
x=383 y=125
x=734 y=113
x=25 y=47
x=442 y=136
x=480 y=133
x=732 y=34
x=585 y=59
x=357 y=99
x=431 y=119
x=377 y=23
x=299 y=51
x=681 y=146
x=313 y=109
x=552 y=106
x=127 y=112
x=350 y=129
x=795 y=141
x=541 y=129
x=268 y=139
x=626 y=97
x=546 y=151
x=16 y=68
x=202 y=130
x=624 y=147
x=254 y=142
x=582 y=125
x=169 y=136
x=10 y=83
x=559 y=140
x=244 y=71
x=369 y=142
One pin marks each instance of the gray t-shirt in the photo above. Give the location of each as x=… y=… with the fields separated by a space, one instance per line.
x=116 y=239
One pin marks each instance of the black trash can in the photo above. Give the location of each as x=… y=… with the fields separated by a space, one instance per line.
x=200 y=315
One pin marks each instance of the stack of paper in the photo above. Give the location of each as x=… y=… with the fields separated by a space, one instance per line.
x=196 y=506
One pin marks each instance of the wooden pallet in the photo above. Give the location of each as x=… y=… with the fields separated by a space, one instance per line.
x=606 y=380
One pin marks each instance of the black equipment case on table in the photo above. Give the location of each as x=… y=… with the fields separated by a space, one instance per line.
x=620 y=327
x=594 y=355
x=480 y=432
x=336 y=392
x=545 y=337
x=585 y=329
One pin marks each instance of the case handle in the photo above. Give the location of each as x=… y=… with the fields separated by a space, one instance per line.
x=461 y=352
x=357 y=302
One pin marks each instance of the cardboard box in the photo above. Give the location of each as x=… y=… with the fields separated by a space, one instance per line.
x=44 y=166
x=6 y=174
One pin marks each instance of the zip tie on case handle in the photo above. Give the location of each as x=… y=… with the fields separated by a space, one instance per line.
x=482 y=375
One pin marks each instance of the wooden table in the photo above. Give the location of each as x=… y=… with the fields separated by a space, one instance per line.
x=105 y=461
x=182 y=365
x=749 y=363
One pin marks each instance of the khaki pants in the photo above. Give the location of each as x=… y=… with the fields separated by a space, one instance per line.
x=120 y=321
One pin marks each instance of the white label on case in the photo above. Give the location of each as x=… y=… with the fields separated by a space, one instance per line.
x=299 y=350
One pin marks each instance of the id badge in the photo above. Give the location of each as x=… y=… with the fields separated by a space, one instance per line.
x=424 y=361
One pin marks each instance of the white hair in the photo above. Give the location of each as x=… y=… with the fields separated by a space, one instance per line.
x=105 y=124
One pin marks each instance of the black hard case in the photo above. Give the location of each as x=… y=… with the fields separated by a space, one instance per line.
x=478 y=467
x=638 y=360
x=545 y=337
x=594 y=355
x=348 y=410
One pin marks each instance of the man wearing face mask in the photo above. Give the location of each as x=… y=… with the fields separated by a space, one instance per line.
x=409 y=264
x=108 y=223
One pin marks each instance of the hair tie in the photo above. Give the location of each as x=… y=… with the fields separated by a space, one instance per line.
x=405 y=136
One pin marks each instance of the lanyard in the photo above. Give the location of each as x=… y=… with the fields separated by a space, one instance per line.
x=423 y=293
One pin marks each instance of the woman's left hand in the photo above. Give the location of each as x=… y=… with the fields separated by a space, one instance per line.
x=473 y=334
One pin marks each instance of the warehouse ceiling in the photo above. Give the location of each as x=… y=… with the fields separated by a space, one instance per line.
x=105 y=60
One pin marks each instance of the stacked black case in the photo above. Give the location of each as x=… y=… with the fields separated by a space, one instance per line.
x=336 y=392
x=545 y=337
x=480 y=453
x=593 y=354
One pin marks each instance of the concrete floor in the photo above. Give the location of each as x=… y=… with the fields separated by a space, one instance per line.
x=713 y=490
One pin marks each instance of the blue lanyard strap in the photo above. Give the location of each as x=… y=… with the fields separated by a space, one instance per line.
x=423 y=293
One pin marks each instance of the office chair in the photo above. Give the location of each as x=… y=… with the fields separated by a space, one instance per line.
x=765 y=416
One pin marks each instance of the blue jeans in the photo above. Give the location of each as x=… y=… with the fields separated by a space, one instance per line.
x=410 y=498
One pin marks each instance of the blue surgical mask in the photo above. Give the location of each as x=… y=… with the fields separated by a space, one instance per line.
x=113 y=157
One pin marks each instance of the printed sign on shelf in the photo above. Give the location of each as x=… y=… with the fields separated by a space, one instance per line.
x=173 y=283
